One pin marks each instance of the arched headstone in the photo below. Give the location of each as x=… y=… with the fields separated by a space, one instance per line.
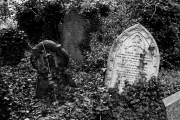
x=134 y=54
x=73 y=33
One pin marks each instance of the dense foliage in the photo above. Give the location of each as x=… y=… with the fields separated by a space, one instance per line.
x=13 y=44
x=89 y=100
x=5 y=111
x=40 y=20
x=162 y=19
x=31 y=21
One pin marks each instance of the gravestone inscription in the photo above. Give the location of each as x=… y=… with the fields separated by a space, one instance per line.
x=73 y=33
x=133 y=55
x=172 y=104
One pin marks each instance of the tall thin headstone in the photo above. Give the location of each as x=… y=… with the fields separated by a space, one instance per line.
x=73 y=33
x=134 y=54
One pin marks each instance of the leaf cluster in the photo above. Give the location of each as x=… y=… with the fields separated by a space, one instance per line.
x=91 y=99
x=40 y=19
x=13 y=44
x=161 y=18
x=43 y=20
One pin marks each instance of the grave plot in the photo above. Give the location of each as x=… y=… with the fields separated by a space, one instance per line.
x=133 y=55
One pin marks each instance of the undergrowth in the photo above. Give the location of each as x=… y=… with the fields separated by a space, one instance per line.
x=141 y=101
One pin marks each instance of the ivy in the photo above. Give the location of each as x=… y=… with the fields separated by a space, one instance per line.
x=161 y=18
x=13 y=44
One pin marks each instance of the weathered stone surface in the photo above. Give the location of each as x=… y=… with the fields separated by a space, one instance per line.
x=172 y=104
x=134 y=54
x=73 y=33
x=48 y=54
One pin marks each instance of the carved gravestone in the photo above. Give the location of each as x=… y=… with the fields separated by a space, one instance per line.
x=73 y=33
x=133 y=55
x=172 y=104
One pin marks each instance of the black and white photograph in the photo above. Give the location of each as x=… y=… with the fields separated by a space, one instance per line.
x=89 y=59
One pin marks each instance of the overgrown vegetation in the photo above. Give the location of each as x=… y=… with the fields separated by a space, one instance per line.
x=13 y=44
x=40 y=20
x=162 y=20
x=46 y=16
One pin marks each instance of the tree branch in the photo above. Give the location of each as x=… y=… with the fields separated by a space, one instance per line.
x=153 y=12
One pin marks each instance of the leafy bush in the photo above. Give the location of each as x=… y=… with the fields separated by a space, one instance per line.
x=94 y=14
x=53 y=15
x=143 y=100
x=5 y=103
x=40 y=20
x=13 y=44
x=30 y=21
x=162 y=19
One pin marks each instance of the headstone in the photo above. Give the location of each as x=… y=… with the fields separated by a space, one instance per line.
x=172 y=104
x=133 y=55
x=73 y=33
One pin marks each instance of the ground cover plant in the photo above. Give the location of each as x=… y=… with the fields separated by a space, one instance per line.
x=141 y=101
x=86 y=101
